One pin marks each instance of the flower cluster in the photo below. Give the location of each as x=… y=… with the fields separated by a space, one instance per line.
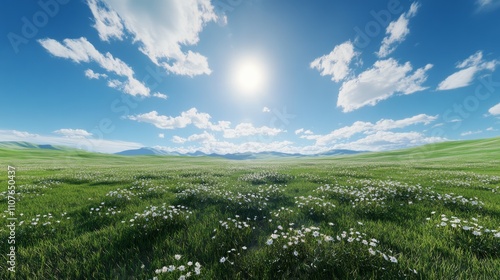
x=156 y=217
x=314 y=205
x=471 y=226
x=381 y=193
x=264 y=177
x=468 y=234
x=184 y=271
x=292 y=240
x=258 y=198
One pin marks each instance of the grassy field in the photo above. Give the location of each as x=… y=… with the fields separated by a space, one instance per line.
x=431 y=212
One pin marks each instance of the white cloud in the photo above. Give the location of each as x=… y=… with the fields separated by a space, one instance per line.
x=343 y=133
x=368 y=128
x=438 y=125
x=483 y=3
x=107 y=22
x=202 y=121
x=86 y=143
x=388 y=124
x=487 y=5
x=204 y=137
x=178 y=140
x=307 y=134
x=73 y=133
x=160 y=95
x=161 y=28
x=303 y=131
x=247 y=129
x=161 y=135
x=397 y=31
x=467 y=133
x=379 y=141
x=470 y=67
x=336 y=63
x=266 y=110
x=190 y=64
x=23 y=134
x=191 y=116
x=224 y=147
x=163 y=122
x=388 y=140
x=384 y=79
x=89 y=73
x=495 y=110
x=491 y=129
x=81 y=50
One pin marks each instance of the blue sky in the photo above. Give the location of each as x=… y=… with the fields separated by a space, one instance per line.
x=249 y=75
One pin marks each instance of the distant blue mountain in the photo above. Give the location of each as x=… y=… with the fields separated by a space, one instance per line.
x=146 y=152
x=340 y=152
x=234 y=156
x=26 y=145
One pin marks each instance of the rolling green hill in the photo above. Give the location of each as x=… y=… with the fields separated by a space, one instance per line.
x=430 y=212
x=470 y=150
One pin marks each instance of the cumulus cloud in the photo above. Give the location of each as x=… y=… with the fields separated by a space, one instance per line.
x=266 y=110
x=247 y=129
x=23 y=134
x=178 y=140
x=378 y=141
x=73 y=133
x=80 y=50
x=204 y=137
x=467 y=133
x=224 y=147
x=384 y=79
x=388 y=140
x=202 y=121
x=165 y=122
x=397 y=31
x=368 y=128
x=336 y=63
x=107 y=22
x=299 y=131
x=89 y=73
x=495 y=110
x=388 y=124
x=469 y=68
x=161 y=29
x=160 y=95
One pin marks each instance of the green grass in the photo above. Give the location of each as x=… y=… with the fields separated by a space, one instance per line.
x=430 y=212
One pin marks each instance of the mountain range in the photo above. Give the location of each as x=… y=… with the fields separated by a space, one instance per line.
x=147 y=151
x=234 y=156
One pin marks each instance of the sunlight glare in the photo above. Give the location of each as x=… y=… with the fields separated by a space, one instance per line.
x=250 y=76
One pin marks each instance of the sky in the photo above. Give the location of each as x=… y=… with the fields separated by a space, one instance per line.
x=233 y=76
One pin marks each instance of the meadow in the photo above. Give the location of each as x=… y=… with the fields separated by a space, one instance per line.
x=431 y=212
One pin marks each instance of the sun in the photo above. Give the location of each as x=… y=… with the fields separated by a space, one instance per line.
x=249 y=76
